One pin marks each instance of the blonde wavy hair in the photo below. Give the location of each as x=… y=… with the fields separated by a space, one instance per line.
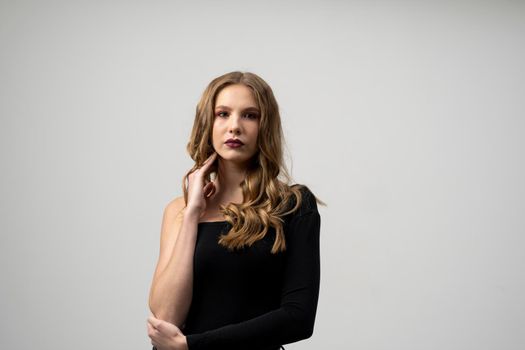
x=267 y=199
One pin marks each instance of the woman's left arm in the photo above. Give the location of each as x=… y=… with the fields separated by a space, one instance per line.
x=294 y=319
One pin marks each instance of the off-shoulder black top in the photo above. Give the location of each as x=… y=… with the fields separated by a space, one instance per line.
x=252 y=299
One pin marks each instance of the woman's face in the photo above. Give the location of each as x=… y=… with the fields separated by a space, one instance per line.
x=236 y=117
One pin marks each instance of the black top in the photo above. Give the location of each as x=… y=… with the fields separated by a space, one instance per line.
x=251 y=298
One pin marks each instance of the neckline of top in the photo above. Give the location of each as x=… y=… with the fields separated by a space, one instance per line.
x=212 y=222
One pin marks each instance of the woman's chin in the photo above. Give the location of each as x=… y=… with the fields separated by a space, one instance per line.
x=232 y=159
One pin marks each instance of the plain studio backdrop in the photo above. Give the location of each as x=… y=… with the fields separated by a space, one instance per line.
x=405 y=117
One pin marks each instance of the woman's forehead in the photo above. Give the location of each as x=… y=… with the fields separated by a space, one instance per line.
x=236 y=96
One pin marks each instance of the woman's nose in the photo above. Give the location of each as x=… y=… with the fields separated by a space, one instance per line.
x=234 y=124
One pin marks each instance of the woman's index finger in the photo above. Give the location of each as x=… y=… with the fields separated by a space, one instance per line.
x=209 y=161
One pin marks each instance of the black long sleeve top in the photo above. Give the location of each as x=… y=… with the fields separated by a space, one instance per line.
x=253 y=299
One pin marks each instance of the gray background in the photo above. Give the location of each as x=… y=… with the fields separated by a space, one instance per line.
x=407 y=118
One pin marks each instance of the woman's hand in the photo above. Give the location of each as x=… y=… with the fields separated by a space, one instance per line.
x=165 y=335
x=198 y=190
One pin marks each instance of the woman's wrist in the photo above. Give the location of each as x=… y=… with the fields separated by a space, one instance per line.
x=191 y=214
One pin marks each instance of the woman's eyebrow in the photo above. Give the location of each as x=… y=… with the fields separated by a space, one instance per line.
x=246 y=109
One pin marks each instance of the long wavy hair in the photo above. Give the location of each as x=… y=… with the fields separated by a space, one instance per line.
x=266 y=190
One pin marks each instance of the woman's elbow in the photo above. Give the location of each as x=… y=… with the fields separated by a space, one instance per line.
x=302 y=327
x=306 y=329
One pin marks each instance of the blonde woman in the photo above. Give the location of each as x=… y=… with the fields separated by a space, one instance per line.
x=239 y=262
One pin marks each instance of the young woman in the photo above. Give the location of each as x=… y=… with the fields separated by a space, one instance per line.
x=239 y=262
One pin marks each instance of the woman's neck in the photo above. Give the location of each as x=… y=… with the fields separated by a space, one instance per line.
x=228 y=182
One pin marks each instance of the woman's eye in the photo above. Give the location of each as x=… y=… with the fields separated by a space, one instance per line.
x=247 y=115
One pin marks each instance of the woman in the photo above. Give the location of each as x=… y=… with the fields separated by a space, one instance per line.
x=239 y=262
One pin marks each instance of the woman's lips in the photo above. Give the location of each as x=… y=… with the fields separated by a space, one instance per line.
x=233 y=144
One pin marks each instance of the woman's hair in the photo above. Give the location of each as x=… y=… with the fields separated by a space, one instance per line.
x=267 y=199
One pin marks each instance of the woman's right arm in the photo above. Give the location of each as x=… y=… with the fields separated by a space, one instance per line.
x=172 y=286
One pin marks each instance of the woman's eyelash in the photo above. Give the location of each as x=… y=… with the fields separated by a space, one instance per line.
x=253 y=115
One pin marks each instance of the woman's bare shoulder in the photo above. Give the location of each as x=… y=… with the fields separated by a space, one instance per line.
x=175 y=207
